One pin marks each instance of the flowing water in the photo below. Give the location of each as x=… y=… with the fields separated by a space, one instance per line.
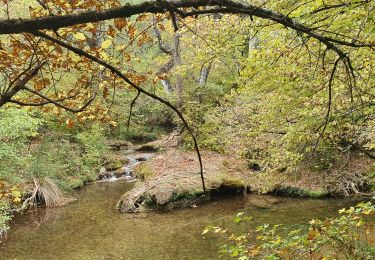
x=91 y=228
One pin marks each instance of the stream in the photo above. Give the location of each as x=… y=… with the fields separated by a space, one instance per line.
x=91 y=228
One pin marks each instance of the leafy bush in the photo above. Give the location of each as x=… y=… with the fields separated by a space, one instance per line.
x=94 y=147
x=137 y=133
x=69 y=160
x=4 y=218
x=16 y=128
x=349 y=236
x=56 y=158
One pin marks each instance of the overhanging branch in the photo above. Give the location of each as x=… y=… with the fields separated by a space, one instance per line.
x=226 y=6
x=133 y=85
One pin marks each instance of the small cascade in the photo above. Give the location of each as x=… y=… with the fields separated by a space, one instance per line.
x=125 y=173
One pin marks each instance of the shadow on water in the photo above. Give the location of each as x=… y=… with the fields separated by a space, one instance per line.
x=92 y=229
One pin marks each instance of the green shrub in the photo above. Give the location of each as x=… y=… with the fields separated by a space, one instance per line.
x=16 y=129
x=345 y=237
x=94 y=147
x=56 y=158
x=4 y=218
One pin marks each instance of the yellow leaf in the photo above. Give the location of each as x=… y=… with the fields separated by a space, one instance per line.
x=74 y=57
x=113 y=123
x=120 y=47
x=90 y=26
x=17 y=200
x=103 y=55
x=106 y=44
x=79 y=36
x=16 y=193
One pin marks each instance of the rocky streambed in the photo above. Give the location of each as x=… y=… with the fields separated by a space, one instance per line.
x=167 y=177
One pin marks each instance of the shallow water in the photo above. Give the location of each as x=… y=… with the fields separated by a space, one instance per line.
x=92 y=229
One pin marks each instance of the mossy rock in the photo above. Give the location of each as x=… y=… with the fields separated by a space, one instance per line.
x=232 y=182
x=143 y=172
x=148 y=148
x=290 y=191
x=114 y=163
x=178 y=199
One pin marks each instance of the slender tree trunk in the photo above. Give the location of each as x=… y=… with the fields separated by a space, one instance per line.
x=177 y=62
x=167 y=85
x=205 y=71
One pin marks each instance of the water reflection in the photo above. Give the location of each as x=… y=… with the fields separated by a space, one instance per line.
x=91 y=228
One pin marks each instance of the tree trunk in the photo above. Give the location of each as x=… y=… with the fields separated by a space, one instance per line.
x=205 y=71
x=177 y=62
x=167 y=85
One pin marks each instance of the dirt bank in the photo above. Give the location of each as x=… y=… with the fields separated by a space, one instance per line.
x=171 y=179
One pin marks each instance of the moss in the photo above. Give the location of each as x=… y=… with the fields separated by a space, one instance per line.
x=231 y=182
x=299 y=192
x=149 y=201
x=114 y=163
x=317 y=194
x=143 y=172
x=186 y=196
x=148 y=148
x=75 y=183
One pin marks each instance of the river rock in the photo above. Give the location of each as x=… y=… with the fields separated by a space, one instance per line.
x=120 y=172
x=116 y=162
x=103 y=174
x=118 y=144
x=148 y=148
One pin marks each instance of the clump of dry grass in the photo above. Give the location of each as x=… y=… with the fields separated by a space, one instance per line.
x=45 y=193
x=48 y=194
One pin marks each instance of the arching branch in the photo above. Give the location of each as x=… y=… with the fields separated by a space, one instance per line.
x=226 y=6
x=115 y=71
x=58 y=104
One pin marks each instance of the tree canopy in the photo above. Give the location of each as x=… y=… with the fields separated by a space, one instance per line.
x=74 y=55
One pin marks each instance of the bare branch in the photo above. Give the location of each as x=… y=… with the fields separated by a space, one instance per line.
x=40 y=103
x=20 y=84
x=227 y=6
x=164 y=48
x=328 y=114
x=131 y=110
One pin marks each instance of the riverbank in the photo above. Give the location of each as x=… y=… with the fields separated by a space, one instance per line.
x=171 y=179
